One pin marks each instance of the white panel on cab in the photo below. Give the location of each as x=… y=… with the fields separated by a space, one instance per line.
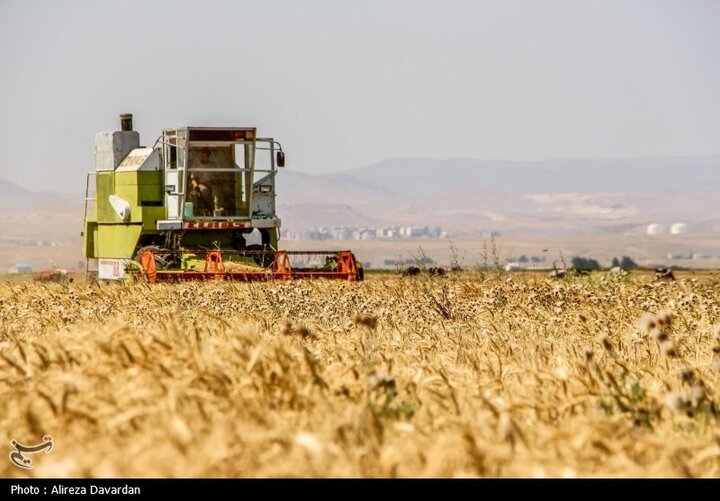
x=172 y=200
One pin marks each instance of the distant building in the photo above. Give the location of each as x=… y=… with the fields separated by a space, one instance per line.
x=20 y=269
x=678 y=229
x=364 y=233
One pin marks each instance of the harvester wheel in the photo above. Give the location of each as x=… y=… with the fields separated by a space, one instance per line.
x=264 y=260
x=163 y=259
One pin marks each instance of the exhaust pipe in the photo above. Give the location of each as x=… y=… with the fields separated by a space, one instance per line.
x=126 y=122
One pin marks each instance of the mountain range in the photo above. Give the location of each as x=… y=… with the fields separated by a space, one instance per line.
x=14 y=197
x=466 y=196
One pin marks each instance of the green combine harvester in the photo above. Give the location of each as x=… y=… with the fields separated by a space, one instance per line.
x=198 y=205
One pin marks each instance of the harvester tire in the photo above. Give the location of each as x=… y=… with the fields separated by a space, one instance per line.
x=163 y=259
x=264 y=260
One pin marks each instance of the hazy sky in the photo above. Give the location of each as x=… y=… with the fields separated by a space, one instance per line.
x=345 y=84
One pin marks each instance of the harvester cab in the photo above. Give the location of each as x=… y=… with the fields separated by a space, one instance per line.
x=198 y=205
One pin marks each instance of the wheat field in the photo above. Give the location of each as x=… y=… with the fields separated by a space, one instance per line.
x=492 y=375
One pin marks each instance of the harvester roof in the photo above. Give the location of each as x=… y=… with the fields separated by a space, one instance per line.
x=219 y=133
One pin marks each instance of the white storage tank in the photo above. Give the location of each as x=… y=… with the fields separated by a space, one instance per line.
x=655 y=229
x=678 y=229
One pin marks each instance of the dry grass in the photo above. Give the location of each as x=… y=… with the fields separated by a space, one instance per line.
x=426 y=376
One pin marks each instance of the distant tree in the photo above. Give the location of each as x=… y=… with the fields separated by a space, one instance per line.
x=535 y=259
x=585 y=264
x=627 y=263
x=523 y=259
x=615 y=263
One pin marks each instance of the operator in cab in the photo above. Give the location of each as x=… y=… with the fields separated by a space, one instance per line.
x=201 y=193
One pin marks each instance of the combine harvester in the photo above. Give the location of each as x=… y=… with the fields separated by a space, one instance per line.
x=198 y=205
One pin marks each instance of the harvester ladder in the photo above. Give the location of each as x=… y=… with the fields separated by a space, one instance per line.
x=92 y=199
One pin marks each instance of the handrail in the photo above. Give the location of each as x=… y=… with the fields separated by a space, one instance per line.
x=87 y=199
